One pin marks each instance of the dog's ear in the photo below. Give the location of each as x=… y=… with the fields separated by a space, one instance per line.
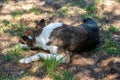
x=40 y=24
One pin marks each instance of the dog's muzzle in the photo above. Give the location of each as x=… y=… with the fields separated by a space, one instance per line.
x=23 y=44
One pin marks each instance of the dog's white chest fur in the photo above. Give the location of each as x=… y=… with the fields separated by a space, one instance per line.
x=43 y=38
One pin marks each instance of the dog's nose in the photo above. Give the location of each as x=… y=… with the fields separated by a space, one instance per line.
x=22 y=41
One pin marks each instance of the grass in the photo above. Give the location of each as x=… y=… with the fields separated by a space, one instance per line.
x=12 y=28
x=91 y=9
x=19 y=28
x=66 y=75
x=6 y=1
x=5 y=22
x=113 y=29
x=6 y=25
x=111 y=47
x=117 y=0
x=59 y=14
x=62 y=12
x=14 y=54
x=79 y=3
x=100 y=1
x=35 y=10
x=5 y=75
x=86 y=15
x=51 y=67
x=64 y=9
x=16 y=14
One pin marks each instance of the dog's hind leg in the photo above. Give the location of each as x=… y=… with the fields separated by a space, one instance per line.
x=42 y=56
x=67 y=56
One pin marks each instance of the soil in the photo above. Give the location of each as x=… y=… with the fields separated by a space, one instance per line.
x=94 y=65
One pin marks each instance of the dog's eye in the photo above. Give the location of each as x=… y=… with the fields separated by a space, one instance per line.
x=29 y=37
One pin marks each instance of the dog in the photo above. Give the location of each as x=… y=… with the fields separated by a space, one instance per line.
x=60 y=40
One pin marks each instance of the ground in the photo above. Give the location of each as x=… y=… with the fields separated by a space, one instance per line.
x=102 y=63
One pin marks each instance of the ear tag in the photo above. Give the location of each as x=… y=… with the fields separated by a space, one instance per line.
x=30 y=37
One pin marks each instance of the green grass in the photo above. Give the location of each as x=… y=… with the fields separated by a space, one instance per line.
x=117 y=0
x=59 y=14
x=6 y=25
x=14 y=54
x=112 y=48
x=66 y=75
x=63 y=75
x=12 y=28
x=112 y=29
x=64 y=9
x=62 y=12
x=100 y=1
x=16 y=14
x=91 y=9
x=79 y=3
x=6 y=75
x=5 y=22
x=51 y=65
x=6 y=1
x=86 y=15
x=19 y=28
x=51 y=68
x=35 y=10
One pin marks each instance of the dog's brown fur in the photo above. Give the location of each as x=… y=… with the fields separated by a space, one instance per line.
x=68 y=39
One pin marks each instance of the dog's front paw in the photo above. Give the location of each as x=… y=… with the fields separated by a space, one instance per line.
x=25 y=60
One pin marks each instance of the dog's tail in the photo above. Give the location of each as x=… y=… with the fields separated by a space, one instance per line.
x=90 y=23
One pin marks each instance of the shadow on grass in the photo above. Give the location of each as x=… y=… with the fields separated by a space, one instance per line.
x=97 y=70
x=13 y=29
x=11 y=70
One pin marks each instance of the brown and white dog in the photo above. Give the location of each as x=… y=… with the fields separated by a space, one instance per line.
x=60 y=39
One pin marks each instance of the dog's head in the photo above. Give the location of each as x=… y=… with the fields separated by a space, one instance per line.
x=28 y=38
